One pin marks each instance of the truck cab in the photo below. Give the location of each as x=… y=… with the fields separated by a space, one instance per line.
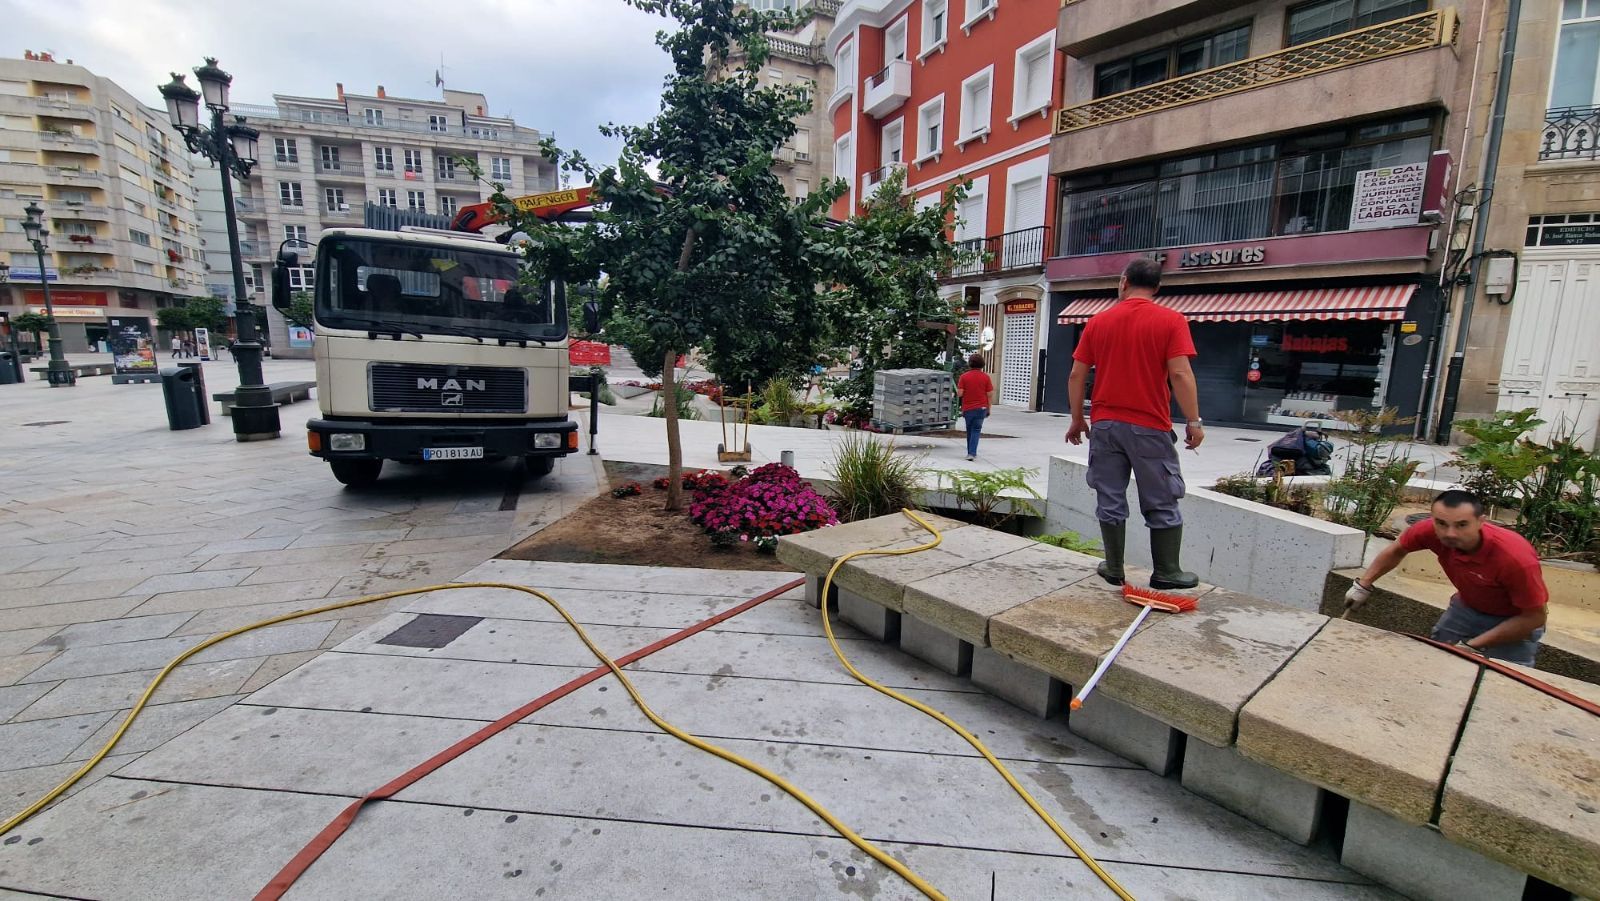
x=432 y=346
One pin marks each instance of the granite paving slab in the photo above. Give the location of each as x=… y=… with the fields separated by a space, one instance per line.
x=115 y=631
x=15 y=698
x=881 y=579
x=45 y=742
x=1367 y=714
x=1065 y=633
x=610 y=577
x=961 y=602
x=158 y=724
x=121 y=690
x=625 y=608
x=816 y=551
x=154 y=653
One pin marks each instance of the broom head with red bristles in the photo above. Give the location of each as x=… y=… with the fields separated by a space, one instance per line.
x=1160 y=600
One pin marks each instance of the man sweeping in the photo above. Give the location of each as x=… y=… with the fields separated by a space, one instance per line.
x=1136 y=349
x=1499 y=607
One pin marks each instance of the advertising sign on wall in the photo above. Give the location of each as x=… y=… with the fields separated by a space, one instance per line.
x=299 y=336
x=131 y=348
x=1388 y=197
x=202 y=343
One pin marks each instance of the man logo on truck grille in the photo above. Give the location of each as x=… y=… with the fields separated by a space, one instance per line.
x=451 y=385
x=452 y=399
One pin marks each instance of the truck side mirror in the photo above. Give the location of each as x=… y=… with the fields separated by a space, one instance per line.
x=280 y=280
x=591 y=316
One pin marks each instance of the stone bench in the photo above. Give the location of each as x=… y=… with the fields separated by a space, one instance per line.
x=1282 y=715
x=83 y=370
x=282 y=393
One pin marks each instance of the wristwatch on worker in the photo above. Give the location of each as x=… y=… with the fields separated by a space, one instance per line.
x=1198 y=422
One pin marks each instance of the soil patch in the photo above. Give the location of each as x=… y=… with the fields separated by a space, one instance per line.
x=635 y=531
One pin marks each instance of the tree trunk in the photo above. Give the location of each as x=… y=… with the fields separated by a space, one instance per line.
x=669 y=405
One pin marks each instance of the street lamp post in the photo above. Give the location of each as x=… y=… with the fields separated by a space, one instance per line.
x=233 y=148
x=59 y=374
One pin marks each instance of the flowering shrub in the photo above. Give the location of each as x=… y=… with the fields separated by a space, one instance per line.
x=772 y=500
x=699 y=480
x=706 y=388
x=850 y=419
x=766 y=544
x=629 y=490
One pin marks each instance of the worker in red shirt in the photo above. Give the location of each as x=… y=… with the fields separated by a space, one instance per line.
x=1136 y=349
x=975 y=388
x=1499 y=607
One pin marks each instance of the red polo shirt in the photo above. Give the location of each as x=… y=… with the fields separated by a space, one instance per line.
x=974 y=386
x=1500 y=578
x=1129 y=346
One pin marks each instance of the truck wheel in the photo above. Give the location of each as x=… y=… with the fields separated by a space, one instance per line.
x=539 y=467
x=356 y=473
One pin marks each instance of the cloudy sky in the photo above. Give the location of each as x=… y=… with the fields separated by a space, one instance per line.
x=562 y=66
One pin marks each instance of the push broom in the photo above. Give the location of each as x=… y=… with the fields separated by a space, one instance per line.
x=1149 y=599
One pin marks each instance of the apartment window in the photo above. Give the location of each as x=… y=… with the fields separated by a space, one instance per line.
x=977 y=104
x=330 y=158
x=374 y=116
x=414 y=161
x=138 y=237
x=844 y=162
x=386 y=197
x=447 y=167
x=844 y=67
x=972 y=215
x=143 y=268
x=438 y=123
x=802 y=145
x=253 y=276
x=894 y=143
x=285 y=150
x=1326 y=18
x=447 y=206
x=976 y=8
x=289 y=193
x=500 y=167
x=295 y=234
x=383 y=159
x=417 y=200
x=302 y=278
x=130 y=176
x=894 y=42
x=134 y=206
x=334 y=199
x=1031 y=91
x=1577 y=56
x=930 y=128
x=802 y=189
x=935 y=23
x=1172 y=61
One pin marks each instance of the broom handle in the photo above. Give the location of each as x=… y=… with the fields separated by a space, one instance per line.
x=1105 y=663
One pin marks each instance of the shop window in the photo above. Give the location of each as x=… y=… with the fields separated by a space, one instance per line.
x=1313 y=369
x=1182 y=58
x=1315 y=191
x=1326 y=18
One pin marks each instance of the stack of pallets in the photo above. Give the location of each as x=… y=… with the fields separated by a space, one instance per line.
x=911 y=400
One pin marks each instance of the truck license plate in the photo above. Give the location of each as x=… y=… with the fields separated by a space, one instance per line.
x=452 y=453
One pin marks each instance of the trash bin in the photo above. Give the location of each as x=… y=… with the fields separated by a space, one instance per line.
x=200 y=390
x=10 y=369
x=185 y=404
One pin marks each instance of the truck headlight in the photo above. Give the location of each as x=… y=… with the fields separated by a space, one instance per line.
x=547 y=440
x=347 y=441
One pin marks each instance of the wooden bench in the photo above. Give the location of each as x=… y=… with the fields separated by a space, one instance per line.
x=83 y=370
x=282 y=393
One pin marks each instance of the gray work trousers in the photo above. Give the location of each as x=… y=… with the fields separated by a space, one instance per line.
x=1119 y=449
x=1462 y=623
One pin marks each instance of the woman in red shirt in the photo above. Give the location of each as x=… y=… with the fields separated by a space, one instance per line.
x=975 y=387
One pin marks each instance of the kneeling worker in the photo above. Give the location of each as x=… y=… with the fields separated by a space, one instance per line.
x=1499 y=607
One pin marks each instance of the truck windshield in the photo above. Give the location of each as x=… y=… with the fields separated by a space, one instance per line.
x=399 y=286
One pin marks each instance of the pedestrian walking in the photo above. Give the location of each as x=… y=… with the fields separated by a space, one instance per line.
x=1498 y=609
x=177 y=346
x=1140 y=356
x=975 y=388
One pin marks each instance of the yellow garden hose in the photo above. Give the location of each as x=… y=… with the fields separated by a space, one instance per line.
x=973 y=740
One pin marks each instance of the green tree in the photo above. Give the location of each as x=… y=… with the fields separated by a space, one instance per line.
x=716 y=256
x=301 y=310
x=207 y=313
x=174 y=319
x=35 y=323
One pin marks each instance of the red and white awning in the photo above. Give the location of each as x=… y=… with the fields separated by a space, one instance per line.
x=1385 y=302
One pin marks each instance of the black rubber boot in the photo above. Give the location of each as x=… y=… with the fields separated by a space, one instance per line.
x=1113 y=535
x=1166 y=547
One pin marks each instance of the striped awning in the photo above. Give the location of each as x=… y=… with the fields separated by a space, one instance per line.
x=1387 y=302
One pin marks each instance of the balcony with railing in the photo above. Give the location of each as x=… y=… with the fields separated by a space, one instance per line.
x=68 y=142
x=72 y=176
x=871 y=180
x=1570 y=133
x=345 y=170
x=499 y=131
x=1402 y=64
x=888 y=88
x=1012 y=251
x=59 y=107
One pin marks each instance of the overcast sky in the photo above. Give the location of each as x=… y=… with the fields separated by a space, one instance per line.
x=562 y=66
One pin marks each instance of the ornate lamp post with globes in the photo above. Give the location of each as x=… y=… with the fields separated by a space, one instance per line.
x=59 y=374
x=233 y=148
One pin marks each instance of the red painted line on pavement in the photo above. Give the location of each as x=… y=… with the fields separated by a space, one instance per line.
x=324 y=840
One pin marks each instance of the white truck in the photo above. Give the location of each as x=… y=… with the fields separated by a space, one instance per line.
x=431 y=347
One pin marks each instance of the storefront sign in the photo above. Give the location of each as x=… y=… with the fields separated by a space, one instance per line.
x=589 y=353
x=1021 y=307
x=299 y=337
x=69 y=298
x=25 y=274
x=1569 y=235
x=1436 y=192
x=202 y=343
x=1318 y=249
x=70 y=312
x=1322 y=345
x=1388 y=197
x=131 y=349
x=1247 y=255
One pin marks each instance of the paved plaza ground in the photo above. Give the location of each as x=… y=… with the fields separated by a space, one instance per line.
x=122 y=543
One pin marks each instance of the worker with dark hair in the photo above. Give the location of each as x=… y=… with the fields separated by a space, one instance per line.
x=975 y=388
x=1499 y=607
x=1140 y=353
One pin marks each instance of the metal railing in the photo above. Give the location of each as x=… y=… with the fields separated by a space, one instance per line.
x=1420 y=32
x=872 y=179
x=1570 y=133
x=1024 y=248
x=68 y=174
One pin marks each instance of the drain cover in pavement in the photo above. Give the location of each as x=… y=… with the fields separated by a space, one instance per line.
x=430 y=630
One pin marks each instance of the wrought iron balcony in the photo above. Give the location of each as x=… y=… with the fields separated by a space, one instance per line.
x=1424 y=31
x=1570 y=133
x=1022 y=249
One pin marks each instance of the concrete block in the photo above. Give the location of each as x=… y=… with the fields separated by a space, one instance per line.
x=814 y=591
x=962 y=601
x=1524 y=787
x=1276 y=800
x=1422 y=864
x=884 y=578
x=874 y=619
x=816 y=550
x=1367 y=714
x=1126 y=732
x=1066 y=633
x=1196 y=670
x=933 y=645
x=1032 y=690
